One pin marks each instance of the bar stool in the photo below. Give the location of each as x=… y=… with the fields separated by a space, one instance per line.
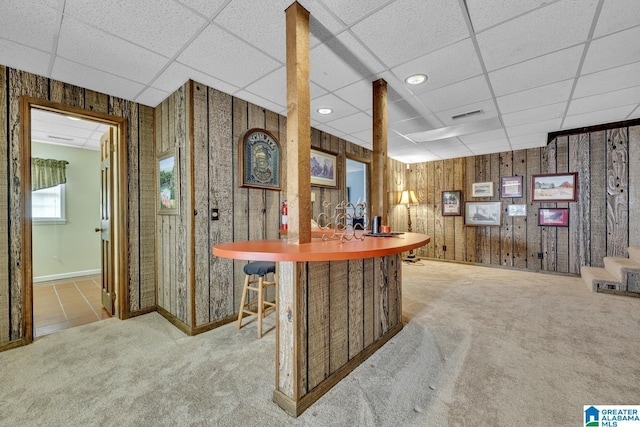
x=260 y=269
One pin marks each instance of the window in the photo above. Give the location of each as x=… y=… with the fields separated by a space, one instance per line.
x=47 y=205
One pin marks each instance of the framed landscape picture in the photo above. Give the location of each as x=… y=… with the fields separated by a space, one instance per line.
x=517 y=210
x=482 y=189
x=511 y=186
x=324 y=167
x=482 y=213
x=557 y=187
x=452 y=203
x=168 y=183
x=557 y=217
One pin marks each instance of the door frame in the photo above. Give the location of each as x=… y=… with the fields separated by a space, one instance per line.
x=120 y=210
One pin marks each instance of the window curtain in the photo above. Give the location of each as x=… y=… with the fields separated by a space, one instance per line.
x=47 y=173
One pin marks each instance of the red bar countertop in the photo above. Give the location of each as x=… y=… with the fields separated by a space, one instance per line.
x=318 y=250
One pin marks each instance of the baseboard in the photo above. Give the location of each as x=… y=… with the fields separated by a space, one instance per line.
x=12 y=344
x=66 y=275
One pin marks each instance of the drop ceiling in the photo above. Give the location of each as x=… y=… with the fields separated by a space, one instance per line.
x=530 y=67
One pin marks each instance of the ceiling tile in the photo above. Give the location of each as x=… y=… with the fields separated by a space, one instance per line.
x=617 y=49
x=328 y=129
x=496 y=136
x=83 y=76
x=547 y=126
x=353 y=10
x=532 y=115
x=226 y=57
x=353 y=123
x=617 y=15
x=401 y=110
x=455 y=95
x=86 y=45
x=533 y=140
x=485 y=13
x=608 y=80
x=360 y=94
x=176 y=74
x=604 y=101
x=24 y=58
x=418 y=124
x=163 y=27
x=272 y=87
x=443 y=67
x=426 y=26
x=537 y=97
x=339 y=107
x=547 y=30
x=494 y=145
x=598 y=117
x=341 y=61
x=258 y=100
x=208 y=8
x=536 y=72
x=29 y=22
x=152 y=96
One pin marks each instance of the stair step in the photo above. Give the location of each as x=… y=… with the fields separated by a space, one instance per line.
x=618 y=267
x=596 y=277
x=634 y=253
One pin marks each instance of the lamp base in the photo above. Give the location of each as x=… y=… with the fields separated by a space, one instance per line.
x=411 y=258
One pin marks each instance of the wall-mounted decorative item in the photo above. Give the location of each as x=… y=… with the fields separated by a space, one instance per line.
x=517 y=210
x=557 y=187
x=557 y=217
x=511 y=186
x=482 y=213
x=452 y=203
x=169 y=183
x=259 y=157
x=482 y=189
x=324 y=168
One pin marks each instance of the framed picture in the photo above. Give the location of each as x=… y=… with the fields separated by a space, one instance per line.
x=169 y=183
x=482 y=213
x=517 y=210
x=557 y=217
x=259 y=158
x=452 y=203
x=511 y=186
x=324 y=168
x=557 y=187
x=482 y=189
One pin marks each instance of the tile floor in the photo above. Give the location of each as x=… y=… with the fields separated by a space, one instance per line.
x=63 y=304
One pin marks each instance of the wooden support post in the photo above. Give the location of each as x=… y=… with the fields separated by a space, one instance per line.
x=379 y=202
x=298 y=125
x=289 y=345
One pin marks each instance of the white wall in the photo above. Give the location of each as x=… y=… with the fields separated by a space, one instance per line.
x=74 y=247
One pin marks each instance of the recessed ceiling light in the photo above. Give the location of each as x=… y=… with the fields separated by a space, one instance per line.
x=416 y=79
x=325 y=111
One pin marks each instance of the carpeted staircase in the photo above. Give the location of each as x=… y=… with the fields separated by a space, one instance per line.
x=619 y=275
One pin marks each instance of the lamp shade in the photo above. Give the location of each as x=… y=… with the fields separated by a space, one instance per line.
x=408 y=197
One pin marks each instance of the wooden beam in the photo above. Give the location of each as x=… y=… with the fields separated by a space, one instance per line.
x=379 y=203
x=298 y=125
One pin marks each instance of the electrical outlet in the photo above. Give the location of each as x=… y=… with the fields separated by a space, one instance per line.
x=444 y=248
x=214 y=214
x=540 y=255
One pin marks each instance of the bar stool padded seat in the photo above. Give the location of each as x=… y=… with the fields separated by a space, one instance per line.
x=257 y=307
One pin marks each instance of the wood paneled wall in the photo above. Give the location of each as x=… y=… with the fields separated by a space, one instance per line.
x=601 y=220
x=15 y=83
x=219 y=120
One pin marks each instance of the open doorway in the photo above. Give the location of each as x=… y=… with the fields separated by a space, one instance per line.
x=67 y=266
x=67 y=276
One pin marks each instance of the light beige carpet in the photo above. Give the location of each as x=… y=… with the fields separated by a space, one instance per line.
x=482 y=346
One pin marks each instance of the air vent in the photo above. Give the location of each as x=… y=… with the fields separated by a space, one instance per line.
x=60 y=138
x=467 y=114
